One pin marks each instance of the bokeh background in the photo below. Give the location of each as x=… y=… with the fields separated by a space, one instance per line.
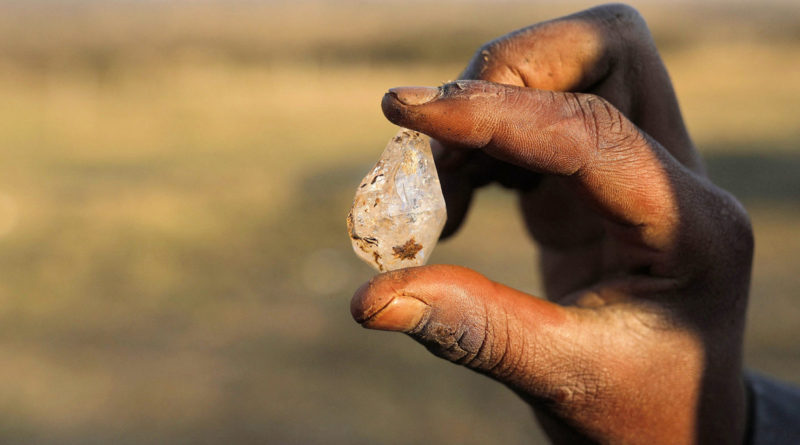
x=174 y=178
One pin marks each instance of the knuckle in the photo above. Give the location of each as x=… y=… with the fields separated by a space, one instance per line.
x=481 y=60
x=736 y=230
x=606 y=131
x=612 y=129
x=577 y=390
x=627 y=31
x=492 y=61
x=460 y=343
x=619 y=10
x=622 y=17
x=740 y=224
x=474 y=341
x=459 y=331
x=720 y=243
x=495 y=356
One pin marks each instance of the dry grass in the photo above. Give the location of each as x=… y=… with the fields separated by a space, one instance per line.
x=173 y=183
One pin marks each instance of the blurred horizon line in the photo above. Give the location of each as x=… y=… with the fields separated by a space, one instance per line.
x=55 y=34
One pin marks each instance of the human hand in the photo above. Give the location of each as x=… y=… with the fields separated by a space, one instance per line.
x=645 y=262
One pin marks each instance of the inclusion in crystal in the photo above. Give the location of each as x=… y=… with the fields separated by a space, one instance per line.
x=398 y=212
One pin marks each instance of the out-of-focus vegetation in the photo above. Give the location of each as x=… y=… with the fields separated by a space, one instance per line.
x=174 y=178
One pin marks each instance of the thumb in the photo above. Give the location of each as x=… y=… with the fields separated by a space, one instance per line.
x=461 y=316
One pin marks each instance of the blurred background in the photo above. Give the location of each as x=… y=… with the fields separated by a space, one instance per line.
x=174 y=178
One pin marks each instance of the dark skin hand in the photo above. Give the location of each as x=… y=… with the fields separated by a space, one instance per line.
x=646 y=263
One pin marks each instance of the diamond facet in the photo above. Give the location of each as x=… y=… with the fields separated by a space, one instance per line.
x=398 y=212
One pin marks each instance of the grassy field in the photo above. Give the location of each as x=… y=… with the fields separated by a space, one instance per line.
x=174 y=178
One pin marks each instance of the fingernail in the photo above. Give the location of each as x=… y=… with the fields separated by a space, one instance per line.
x=414 y=95
x=401 y=314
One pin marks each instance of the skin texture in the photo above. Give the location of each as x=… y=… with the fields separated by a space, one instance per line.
x=646 y=263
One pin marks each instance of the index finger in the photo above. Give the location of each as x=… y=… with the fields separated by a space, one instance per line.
x=629 y=178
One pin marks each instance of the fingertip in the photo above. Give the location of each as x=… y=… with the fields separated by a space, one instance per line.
x=374 y=295
x=397 y=104
x=377 y=306
x=366 y=302
x=460 y=113
x=421 y=283
x=392 y=108
x=414 y=95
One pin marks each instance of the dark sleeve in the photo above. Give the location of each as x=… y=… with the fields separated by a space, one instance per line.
x=774 y=411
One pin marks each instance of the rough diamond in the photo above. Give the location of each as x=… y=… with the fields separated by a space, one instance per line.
x=398 y=212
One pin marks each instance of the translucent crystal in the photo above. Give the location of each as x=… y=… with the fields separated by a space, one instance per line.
x=398 y=212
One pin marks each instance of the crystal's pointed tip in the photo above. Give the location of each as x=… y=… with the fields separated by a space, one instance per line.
x=404 y=133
